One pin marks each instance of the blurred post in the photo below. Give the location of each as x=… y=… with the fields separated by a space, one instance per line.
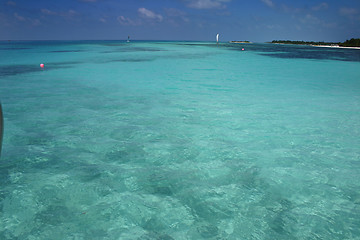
x=1 y=127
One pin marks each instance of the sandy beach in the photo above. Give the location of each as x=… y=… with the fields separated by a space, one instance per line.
x=336 y=46
x=239 y=42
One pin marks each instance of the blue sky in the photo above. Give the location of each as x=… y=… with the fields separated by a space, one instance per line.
x=254 y=20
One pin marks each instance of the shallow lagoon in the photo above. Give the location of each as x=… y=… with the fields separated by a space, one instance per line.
x=179 y=140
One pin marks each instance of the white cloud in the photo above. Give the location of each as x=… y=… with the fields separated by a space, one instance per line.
x=206 y=4
x=126 y=21
x=103 y=20
x=145 y=13
x=321 y=6
x=269 y=3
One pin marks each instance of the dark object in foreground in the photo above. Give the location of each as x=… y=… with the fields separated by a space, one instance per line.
x=1 y=127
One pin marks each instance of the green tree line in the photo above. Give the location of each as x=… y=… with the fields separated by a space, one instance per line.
x=304 y=42
x=354 y=42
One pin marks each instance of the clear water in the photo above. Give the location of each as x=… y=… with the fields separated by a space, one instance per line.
x=179 y=140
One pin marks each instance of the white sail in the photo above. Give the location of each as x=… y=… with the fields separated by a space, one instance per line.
x=217 y=38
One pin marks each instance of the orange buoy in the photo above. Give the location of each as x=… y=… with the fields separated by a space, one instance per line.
x=42 y=65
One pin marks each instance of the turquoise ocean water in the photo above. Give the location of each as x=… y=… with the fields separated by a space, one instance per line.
x=179 y=140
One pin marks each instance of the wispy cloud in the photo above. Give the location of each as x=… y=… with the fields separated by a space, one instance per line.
x=70 y=13
x=31 y=21
x=273 y=26
x=174 y=13
x=309 y=19
x=103 y=20
x=348 y=11
x=146 y=13
x=11 y=3
x=18 y=17
x=290 y=9
x=321 y=6
x=206 y=4
x=48 y=12
x=126 y=21
x=36 y=22
x=67 y=14
x=269 y=3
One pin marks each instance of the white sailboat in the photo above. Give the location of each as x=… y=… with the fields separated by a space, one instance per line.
x=217 y=38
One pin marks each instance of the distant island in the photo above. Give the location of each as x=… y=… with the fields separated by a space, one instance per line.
x=354 y=42
x=240 y=42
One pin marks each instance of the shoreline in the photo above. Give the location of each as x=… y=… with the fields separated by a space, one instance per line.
x=239 y=42
x=336 y=46
x=312 y=45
